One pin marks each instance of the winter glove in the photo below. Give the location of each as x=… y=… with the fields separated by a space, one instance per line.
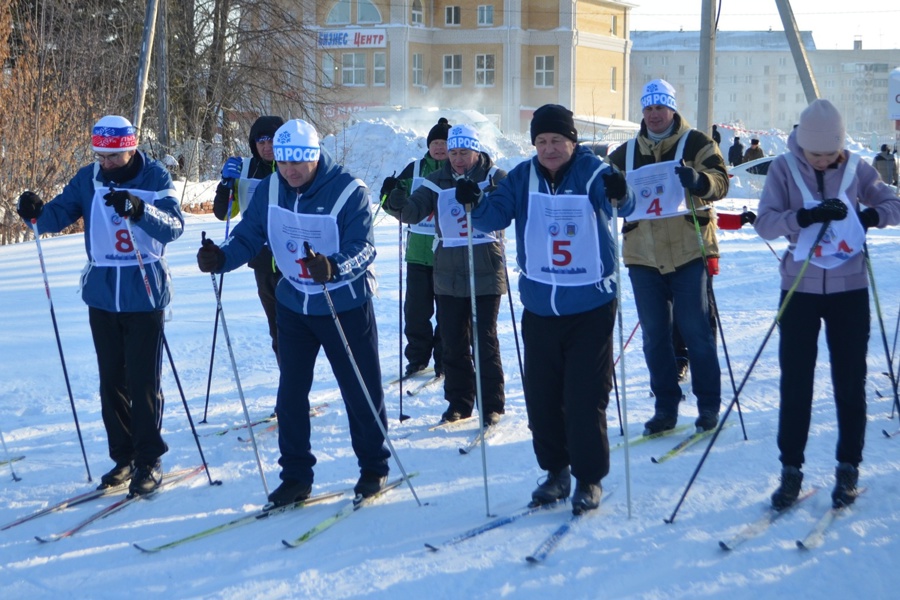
x=223 y=197
x=468 y=193
x=30 y=206
x=868 y=218
x=614 y=184
x=690 y=178
x=210 y=257
x=125 y=204
x=232 y=168
x=712 y=265
x=320 y=267
x=390 y=183
x=829 y=210
x=748 y=217
x=396 y=200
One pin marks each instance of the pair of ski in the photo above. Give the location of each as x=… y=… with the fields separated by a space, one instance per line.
x=405 y=378
x=269 y=511
x=476 y=438
x=813 y=539
x=314 y=411
x=169 y=479
x=11 y=460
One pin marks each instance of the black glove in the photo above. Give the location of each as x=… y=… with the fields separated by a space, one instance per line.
x=468 y=193
x=748 y=217
x=223 y=197
x=320 y=267
x=210 y=257
x=396 y=200
x=614 y=184
x=125 y=204
x=389 y=185
x=690 y=178
x=30 y=206
x=868 y=218
x=829 y=210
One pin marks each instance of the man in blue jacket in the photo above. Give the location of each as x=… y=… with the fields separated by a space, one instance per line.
x=126 y=323
x=313 y=200
x=561 y=201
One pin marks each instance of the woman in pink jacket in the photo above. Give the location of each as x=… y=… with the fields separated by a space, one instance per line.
x=823 y=198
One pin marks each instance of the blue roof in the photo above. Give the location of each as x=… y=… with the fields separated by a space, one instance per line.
x=726 y=41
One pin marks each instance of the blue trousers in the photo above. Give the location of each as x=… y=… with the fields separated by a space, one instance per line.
x=299 y=339
x=679 y=297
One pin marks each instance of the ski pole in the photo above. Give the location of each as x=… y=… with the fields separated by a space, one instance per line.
x=37 y=240
x=624 y=416
x=362 y=384
x=778 y=315
x=402 y=416
x=615 y=379
x=476 y=354
x=890 y=361
x=140 y=262
x=628 y=341
x=512 y=311
x=212 y=350
x=9 y=458
x=237 y=377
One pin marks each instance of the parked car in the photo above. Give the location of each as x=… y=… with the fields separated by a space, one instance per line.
x=745 y=184
x=601 y=149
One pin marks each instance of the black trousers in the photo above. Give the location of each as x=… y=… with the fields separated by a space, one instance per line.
x=266 y=280
x=129 y=357
x=846 y=317
x=568 y=375
x=418 y=307
x=459 y=367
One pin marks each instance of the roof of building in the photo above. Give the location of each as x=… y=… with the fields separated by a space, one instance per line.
x=726 y=41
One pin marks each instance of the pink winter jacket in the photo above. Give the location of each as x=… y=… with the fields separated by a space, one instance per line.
x=777 y=216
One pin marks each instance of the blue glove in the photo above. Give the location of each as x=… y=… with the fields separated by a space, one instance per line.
x=232 y=168
x=689 y=177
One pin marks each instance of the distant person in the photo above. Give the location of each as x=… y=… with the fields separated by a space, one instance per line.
x=422 y=340
x=736 y=153
x=127 y=329
x=754 y=151
x=240 y=177
x=677 y=172
x=819 y=186
x=313 y=199
x=886 y=165
x=716 y=136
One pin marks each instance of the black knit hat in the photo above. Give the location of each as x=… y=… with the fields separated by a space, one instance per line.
x=439 y=131
x=553 y=118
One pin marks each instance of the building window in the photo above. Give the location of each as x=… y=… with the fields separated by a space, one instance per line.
x=647 y=61
x=485 y=15
x=612 y=80
x=328 y=69
x=681 y=69
x=766 y=70
x=782 y=80
x=749 y=61
x=366 y=12
x=484 y=70
x=451 y=15
x=379 y=68
x=339 y=14
x=782 y=61
x=452 y=70
x=664 y=61
x=782 y=98
x=418 y=16
x=799 y=98
x=614 y=25
x=353 y=69
x=544 y=71
x=418 y=69
x=732 y=97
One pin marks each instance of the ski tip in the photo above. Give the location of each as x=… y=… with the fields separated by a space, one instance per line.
x=533 y=560
x=432 y=548
x=885 y=433
x=654 y=460
x=463 y=451
x=288 y=544
x=801 y=545
x=144 y=550
x=724 y=546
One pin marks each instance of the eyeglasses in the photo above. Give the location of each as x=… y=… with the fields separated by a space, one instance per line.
x=111 y=157
x=263 y=138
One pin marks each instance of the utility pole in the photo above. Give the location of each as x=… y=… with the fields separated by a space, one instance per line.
x=807 y=79
x=707 y=75
x=162 y=77
x=140 y=89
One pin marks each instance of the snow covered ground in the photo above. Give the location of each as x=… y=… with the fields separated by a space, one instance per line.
x=379 y=551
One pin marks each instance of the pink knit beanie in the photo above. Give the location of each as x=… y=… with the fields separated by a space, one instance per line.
x=821 y=128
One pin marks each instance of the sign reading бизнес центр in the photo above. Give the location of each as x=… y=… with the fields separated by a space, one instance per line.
x=352 y=38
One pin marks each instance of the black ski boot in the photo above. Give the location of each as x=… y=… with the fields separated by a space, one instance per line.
x=845 y=492
x=118 y=475
x=289 y=492
x=789 y=490
x=586 y=497
x=660 y=423
x=146 y=478
x=556 y=487
x=369 y=484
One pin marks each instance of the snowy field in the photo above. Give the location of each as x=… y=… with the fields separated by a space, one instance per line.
x=379 y=551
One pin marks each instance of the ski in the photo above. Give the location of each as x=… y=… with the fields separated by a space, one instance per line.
x=481 y=435
x=684 y=445
x=254 y=517
x=494 y=524
x=757 y=527
x=552 y=541
x=640 y=439
x=396 y=380
x=816 y=535
x=68 y=502
x=890 y=435
x=11 y=460
x=445 y=425
x=171 y=479
x=349 y=507
x=424 y=385
x=261 y=421
x=314 y=411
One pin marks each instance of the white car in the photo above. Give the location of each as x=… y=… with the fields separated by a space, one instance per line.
x=745 y=184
